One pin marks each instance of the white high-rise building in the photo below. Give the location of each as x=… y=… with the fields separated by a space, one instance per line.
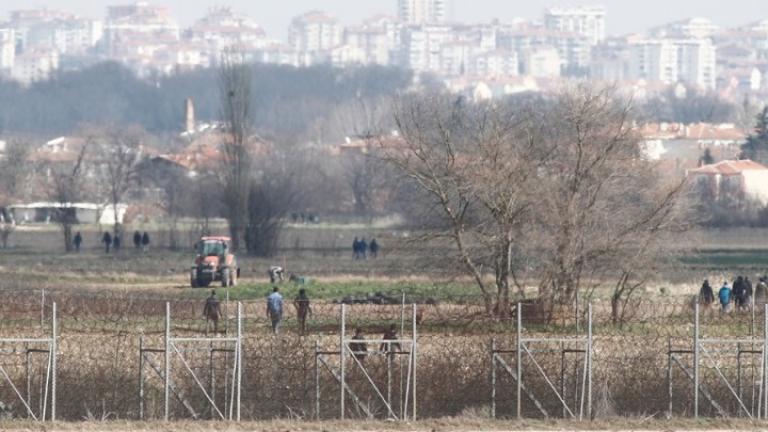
x=314 y=31
x=670 y=61
x=586 y=21
x=423 y=11
x=7 y=49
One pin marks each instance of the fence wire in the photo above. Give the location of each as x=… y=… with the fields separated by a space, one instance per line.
x=98 y=367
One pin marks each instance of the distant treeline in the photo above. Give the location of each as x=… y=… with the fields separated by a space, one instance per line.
x=288 y=101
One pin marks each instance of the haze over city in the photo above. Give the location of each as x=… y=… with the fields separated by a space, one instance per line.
x=624 y=16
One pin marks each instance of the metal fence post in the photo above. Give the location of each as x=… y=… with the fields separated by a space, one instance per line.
x=141 y=377
x=669 y=376
x=342 y=355
x=167 y=361
x=765 y=361
x=589 y=360
x=519 y=356
x=696 y=362
x=239 y=357
x=42 y=308
x=317 y=380
x=493 y=378
x=54 y=350
x=415 y=346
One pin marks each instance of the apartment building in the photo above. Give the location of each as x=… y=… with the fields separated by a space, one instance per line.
x=423 y=11
x=587 y=21
x=314 y=31
x=691 y=61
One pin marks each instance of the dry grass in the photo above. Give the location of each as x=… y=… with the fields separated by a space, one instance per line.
x=437 y=425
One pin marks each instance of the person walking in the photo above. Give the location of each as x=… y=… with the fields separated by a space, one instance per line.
x=212 y=313
x=107 y=240
x=78 y=240
x=706 y=294
x=145 y=242
x=116 y=242
x=747 y=293
x=136 y=240
x=303 y=309
x=738 y=291
x=275 y=309
x=725 y=297
x=390 y=334
x=356 y=248
x=363 y=248
x=374 y=248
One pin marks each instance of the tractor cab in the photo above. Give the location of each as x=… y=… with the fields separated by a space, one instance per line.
x=214 y=262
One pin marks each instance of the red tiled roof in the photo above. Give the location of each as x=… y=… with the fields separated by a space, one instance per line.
x=732 y=167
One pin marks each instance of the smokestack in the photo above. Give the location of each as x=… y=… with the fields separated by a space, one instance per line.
x=189 y=116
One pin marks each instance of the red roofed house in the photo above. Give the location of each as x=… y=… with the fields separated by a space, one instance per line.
x=737 y=179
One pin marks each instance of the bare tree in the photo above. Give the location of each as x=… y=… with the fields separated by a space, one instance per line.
x=66 y=186
x=474 y=165
x=235 y=92
x=278 y=189
x=560 y=186
x=119 y=153
x=14 y=177
x=364 y=122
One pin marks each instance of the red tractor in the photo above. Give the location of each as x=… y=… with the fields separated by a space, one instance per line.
x=213 y=263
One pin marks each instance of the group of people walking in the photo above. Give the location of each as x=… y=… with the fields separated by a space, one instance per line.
x=361 y=249
x=140 y=241
x=114 y=242
x=742 y=295
x=212 y=310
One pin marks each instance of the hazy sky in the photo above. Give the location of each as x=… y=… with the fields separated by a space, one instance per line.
x=624 y=16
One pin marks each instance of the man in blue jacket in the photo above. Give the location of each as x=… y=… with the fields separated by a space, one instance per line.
x=725 y=297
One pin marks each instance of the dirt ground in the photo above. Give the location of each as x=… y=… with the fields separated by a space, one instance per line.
x=441 y=425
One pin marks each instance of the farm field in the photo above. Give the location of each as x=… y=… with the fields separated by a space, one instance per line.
x=110 y=305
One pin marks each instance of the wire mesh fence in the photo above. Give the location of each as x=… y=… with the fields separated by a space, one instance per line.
x=642 y=359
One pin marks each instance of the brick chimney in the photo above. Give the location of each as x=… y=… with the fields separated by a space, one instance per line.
x=189 y=116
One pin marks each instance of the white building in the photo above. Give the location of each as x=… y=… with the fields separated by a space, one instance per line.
x=376 y=43
x=542 y=63
x=498 y=63
x=34 y=65
x=423 y=11
x=586 y=21
x=735 y=179
x=314 y=31
x=129 y=26
x=421 y=46
x=221 y=28
x=670 y=61
x=7 y=50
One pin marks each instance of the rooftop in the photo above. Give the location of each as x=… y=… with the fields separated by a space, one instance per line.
x=729 y=167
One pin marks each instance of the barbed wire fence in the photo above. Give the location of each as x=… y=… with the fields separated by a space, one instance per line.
x=640 y=358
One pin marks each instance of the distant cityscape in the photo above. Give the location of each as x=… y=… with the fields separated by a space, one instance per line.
x=488 y=60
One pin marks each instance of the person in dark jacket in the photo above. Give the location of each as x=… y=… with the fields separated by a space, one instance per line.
x=78 y=241
x=107 y=240
x=390 y=334
x=356 y=248
x=212 y=312
x=116 y=242
x=303 y=309
x=747 y=293
x=145 y=241
x=374 y=248
x=738 y=292
x=706 y=295
x=136 y=240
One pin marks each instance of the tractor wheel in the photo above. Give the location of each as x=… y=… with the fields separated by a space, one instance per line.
x=226 y=277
